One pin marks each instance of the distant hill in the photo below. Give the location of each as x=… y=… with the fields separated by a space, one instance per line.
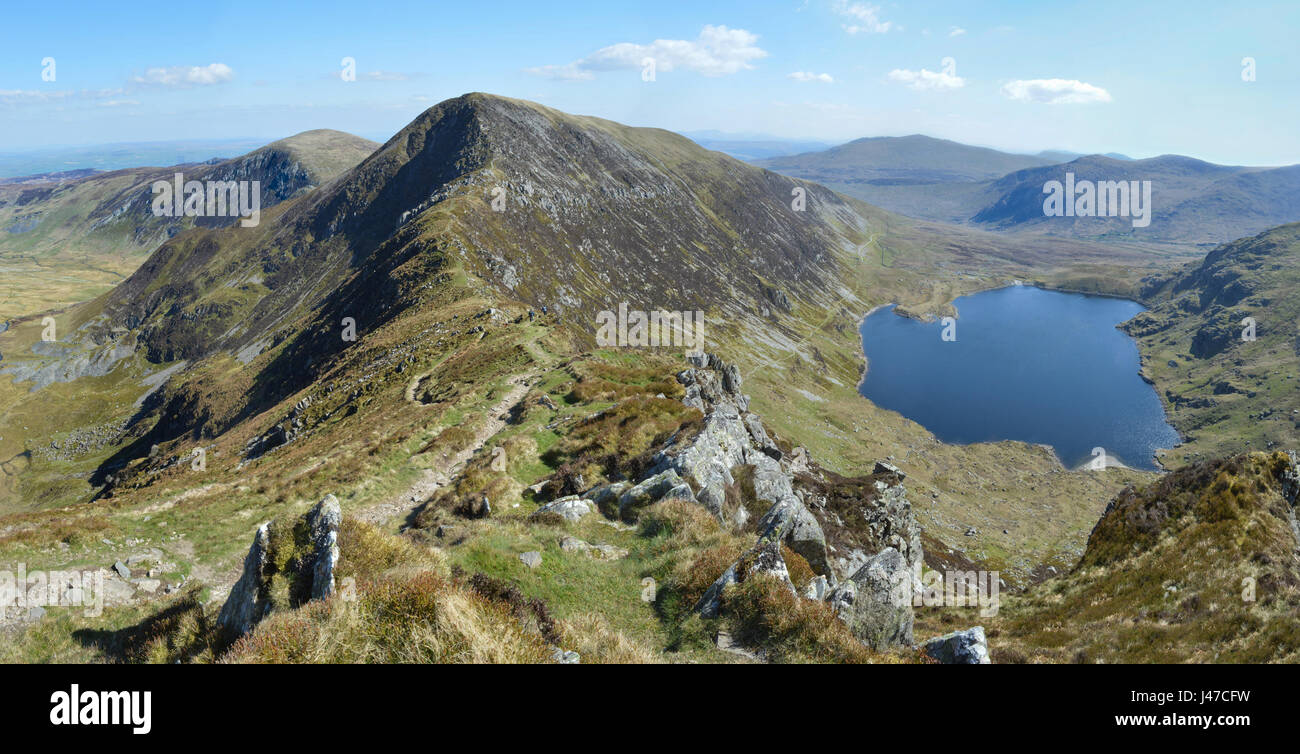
x=1060 y=155
x=1193 y=202
x=70 y=235
x=753 y=147
x=902 y=160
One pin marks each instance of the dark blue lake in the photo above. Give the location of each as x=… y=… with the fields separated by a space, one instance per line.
x=1027 y=364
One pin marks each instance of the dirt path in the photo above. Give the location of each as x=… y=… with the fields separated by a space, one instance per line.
x=404 y=503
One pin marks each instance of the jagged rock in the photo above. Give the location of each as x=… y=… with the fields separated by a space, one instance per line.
x=711 y=603
x=571 y=508
x=246 y=604
x=122 y=570
x=323 y=526
x=967 y=647
x=532 y=559
x=878 y=608
x=790 y=521
x=647 y=492
x=888 y=468
x=817 y=589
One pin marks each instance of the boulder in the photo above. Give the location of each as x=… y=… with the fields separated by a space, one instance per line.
x=571 y=508
x=532 y=559
x=878 y=607
x=967 y=647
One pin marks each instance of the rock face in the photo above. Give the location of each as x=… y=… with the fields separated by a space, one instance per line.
x=967 y=647
x=878 y=605
x=311 y=557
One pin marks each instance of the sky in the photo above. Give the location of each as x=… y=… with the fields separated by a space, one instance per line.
x=1141 y=79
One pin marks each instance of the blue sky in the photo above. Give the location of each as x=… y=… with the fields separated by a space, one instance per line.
x=1098 y=76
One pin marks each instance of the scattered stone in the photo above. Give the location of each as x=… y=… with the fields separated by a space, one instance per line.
x=532 y=558
x=122 y=570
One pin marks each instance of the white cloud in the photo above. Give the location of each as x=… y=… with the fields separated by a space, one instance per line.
x=924 y=79
x=825 y=78
x=716 y=52
x=1054 y=91
x=957 y=31
x=864 y=18
x=118 y=103
x=187 y=75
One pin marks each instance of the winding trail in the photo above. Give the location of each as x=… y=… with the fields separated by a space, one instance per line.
x=405 y=503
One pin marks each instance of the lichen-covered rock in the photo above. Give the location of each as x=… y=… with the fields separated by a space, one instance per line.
x=647 y=492
x=571 y=508
x=967 y=647
x=878 y=605
x=790 y=521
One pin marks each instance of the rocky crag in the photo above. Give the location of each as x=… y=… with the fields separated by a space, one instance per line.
x=859 y=536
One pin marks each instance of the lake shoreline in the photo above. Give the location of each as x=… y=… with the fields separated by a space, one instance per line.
x=920 y=375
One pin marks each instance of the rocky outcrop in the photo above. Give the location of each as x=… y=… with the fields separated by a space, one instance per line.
x=302 y=554
x=967 y=647
x=879 y=541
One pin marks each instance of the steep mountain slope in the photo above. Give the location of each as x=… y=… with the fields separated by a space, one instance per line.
x=105 y=222
x=1202 y=566
x=1228 y=388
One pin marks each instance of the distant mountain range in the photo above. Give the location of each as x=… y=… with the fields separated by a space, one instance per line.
x=1193 y=202
x=87 y=209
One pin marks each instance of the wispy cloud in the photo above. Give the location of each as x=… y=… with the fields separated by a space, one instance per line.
x=957 y=31
x=1054 y=91
x=187 y=75
x=924 y=79
x=33 y=96
x=824 y=78
x=716 y=52
x=863 y=18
